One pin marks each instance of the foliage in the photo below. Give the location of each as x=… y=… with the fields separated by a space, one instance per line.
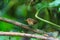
x=20 y=10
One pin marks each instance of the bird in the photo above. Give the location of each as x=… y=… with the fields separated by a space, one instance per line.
x=31 y=21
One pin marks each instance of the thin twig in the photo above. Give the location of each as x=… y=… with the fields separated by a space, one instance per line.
x=22 y=34
x=20 y=24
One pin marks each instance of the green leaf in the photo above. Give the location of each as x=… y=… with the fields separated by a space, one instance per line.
x=59 y=9
x=54 y=3
x=41 y=5
x=21 y=11
x=5 y=26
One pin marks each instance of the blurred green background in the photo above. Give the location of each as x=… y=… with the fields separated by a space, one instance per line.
x=20 y=10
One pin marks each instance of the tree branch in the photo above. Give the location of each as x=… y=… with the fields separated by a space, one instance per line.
x=21 y=34
x=26 y=35
x=20 y=25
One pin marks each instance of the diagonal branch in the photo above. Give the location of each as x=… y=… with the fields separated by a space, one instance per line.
x=23 y=34
x=19 y=24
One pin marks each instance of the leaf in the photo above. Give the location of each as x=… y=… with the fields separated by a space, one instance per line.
x=4 y=37
x=41 y=5
x=59 y=9
x=54 y=3
x=5 y=26
x=21 y=11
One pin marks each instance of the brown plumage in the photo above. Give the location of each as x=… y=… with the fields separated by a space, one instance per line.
x=31 y=21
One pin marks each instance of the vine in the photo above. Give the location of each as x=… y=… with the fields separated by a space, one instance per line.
x=36 y=15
